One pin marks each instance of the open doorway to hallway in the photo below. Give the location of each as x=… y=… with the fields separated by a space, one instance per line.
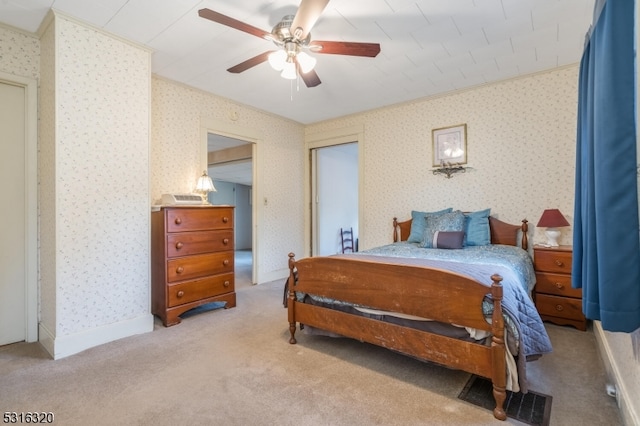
x=335 y=185
x=230 y=165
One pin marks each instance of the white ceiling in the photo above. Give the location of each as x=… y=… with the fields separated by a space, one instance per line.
x=428 y=47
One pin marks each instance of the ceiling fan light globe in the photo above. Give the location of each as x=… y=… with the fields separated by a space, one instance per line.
x=306 y=62
x=278 y=59
x=289 y=71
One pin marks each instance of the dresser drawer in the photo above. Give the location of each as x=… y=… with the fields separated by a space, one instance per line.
x=557 y=306
x=553 y=261
x=200 y=265
x=558 y=284
x=190 y=291
x=188 y=243
x=199 y=219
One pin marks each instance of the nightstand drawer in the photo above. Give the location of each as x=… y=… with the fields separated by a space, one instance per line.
x=557 y=306
x=553 y=261
x=556 y=284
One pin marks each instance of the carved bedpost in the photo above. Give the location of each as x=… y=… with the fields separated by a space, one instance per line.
x=498 y=349
x=395 y=229
x=525 y=230
x=292 y=294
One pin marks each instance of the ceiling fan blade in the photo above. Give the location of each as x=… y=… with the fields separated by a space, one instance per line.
x=250 y=63
x=234 y=23
x=370 y=50
x=306 y=17
x=311 y=78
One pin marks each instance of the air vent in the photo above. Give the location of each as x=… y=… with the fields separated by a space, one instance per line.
x=181 y=199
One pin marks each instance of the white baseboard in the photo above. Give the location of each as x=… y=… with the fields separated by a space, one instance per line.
x=280 y=274
x=625 y=403
x=64 y=346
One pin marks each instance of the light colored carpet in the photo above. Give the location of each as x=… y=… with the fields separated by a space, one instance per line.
x=236 y=367
x=243 y=264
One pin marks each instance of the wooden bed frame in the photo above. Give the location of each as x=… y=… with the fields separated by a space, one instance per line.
x=410 y=289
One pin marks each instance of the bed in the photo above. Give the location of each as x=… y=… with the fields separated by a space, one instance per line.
x=378 y=296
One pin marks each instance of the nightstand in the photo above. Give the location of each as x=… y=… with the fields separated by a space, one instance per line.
x=555 y=299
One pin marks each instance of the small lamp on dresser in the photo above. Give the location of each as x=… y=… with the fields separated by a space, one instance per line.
x=552 y=219
x=204 y=186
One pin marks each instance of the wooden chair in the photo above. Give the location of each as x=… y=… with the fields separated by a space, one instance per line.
x=346 y=235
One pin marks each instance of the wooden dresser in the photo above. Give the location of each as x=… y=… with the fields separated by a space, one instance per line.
x=555 y=299
x=192 y=259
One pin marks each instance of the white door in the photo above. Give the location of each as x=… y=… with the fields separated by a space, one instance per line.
x=13 y=237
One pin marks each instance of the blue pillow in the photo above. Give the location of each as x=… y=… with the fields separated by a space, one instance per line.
x=453 y=221
x=477 y=232
x=418 y=223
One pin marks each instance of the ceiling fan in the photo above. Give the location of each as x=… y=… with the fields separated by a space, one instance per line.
x=292 y=37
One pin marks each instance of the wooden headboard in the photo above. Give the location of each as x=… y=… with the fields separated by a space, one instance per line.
x=501 y=232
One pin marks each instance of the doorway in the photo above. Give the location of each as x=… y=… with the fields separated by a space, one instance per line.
x=335 y=195
x=18 y=221
x=230 y=165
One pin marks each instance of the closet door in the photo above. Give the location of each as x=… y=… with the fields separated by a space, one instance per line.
x=12 y=214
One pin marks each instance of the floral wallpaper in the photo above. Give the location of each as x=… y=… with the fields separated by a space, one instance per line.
x=520 y=149
x=19 y=53
x=98 y=170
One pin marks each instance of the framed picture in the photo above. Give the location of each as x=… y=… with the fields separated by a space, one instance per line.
x=450 y=145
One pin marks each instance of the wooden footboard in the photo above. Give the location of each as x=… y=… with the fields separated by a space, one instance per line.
x=412 y=289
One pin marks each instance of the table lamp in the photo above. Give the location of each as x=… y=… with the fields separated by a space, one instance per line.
x=552 y=219
x=204 y=186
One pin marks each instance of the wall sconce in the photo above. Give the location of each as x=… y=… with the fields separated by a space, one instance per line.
x=449 y=169
x=552 y=219
x=204 y=186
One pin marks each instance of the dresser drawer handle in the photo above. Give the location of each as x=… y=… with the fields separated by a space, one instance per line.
x=559 y=286
x=179 y=245
x=180 y=293
x=179 y=270
x=178 y=221
x=225 y=262
x=225 y=219
x=559 y=308
x=559 y=263
x=226 y=284
x=225 y=241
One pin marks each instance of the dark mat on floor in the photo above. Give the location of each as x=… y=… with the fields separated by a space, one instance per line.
x=203 y=308
x=532 y=408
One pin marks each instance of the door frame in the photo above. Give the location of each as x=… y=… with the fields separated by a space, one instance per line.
x=209 y=125
x=31 y=200
x=320 y=140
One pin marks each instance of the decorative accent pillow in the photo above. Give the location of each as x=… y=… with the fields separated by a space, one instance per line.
x=453 y=221
x=448 y=239
x=476 y=227
x=418 y=223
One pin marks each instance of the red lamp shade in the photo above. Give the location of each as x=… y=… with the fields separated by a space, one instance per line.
x=552 y=218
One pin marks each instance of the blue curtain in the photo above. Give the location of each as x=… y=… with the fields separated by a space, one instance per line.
x=606 y=244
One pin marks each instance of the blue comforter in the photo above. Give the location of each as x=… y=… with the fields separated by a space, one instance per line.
x=480 y=262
